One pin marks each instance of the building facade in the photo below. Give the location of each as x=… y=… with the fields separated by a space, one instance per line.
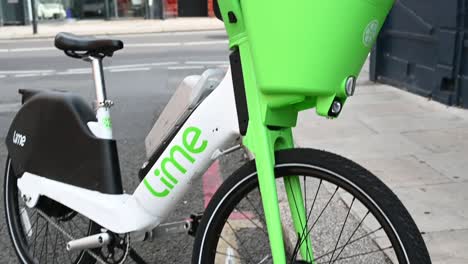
x=19 y=12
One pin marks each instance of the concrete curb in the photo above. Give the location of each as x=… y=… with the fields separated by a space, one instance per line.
x=115 y=27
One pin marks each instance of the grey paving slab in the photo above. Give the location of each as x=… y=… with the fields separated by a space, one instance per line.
x=393 y=107
x=416 y=146
x=437 y=207
x=363 y=146
x=448 y=247
x=373 y=98
x=453 y=165
x=321 y=128
x=447 y=139
x=413 y=122
x=404 y=171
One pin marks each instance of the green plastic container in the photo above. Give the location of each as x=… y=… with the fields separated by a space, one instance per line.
x=306 y=49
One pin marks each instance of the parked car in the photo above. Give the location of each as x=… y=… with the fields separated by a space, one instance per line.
x=47 y=9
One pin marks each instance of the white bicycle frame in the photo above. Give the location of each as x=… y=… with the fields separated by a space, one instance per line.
x=206 y=133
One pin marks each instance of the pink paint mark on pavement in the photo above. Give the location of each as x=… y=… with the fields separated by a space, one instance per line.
x=211 y=182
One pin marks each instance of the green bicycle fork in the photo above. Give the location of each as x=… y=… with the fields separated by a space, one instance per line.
x=263 y=140
x=268 y=130
x=296 y=56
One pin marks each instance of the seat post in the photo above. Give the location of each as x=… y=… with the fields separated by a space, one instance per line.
x=103 y=105
x=99 y=82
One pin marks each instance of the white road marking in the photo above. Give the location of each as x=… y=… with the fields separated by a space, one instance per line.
x=171 y=65
x=197 y=43
x=79 y=69
x=27 y=75
x=73 y=72
x=28 y=49
x=138 y=35
x=166 y=44
x=185 y=67
x=127 y=66
x=176 y=33
x=130 y=45
x=164 y=63
x=4 y=108
x=130 y=69
x=207 y=62
x=25 y=72
x=47 y=73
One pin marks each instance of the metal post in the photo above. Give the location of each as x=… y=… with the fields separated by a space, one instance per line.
x=106 y=11
x=34 y=16
x=1 y=13
x=161 y=9
x=116 y=9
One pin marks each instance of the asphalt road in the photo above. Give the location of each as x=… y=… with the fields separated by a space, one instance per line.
x=140 y=80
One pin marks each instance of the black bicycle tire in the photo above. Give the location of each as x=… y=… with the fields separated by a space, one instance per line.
x=402 y=223
x=12 y=220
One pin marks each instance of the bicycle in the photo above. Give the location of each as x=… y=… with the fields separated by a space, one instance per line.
x=284 y=206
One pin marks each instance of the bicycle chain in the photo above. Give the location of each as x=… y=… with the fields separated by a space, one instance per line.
x=92 y=254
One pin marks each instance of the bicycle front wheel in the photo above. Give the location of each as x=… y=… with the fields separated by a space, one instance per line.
x=352 y=217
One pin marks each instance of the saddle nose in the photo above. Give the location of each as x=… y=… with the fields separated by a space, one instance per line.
x=90 y=45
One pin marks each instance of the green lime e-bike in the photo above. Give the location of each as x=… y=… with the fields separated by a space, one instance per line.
x=63 y=194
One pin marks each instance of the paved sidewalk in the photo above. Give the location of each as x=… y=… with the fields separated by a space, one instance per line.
x=418 y=147
x=102 y=27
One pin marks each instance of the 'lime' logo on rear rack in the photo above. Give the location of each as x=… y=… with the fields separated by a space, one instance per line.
x=370 y=33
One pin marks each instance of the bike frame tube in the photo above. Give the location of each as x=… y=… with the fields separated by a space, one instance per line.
x=211 y=128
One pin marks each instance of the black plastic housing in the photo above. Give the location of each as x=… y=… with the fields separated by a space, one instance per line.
x=58 y=144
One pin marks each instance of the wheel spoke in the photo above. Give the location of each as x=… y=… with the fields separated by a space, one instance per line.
x=320 y=215
x=136 y=257
x=35 y=237
x=262 y=219
x=301 y=235
x=33 y=225
x=342 y=228
x=305 y=206
x=224 y=254
x=229 y=244
x=362 y=254
x=55 y=247
x=68 y=253
x=248 y=218
x=352 y=234
x=350 y=242
x=238 y=239
x=78 y=228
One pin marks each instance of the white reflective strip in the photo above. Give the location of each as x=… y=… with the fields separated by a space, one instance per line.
x=26 y=222
x=230 y=258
